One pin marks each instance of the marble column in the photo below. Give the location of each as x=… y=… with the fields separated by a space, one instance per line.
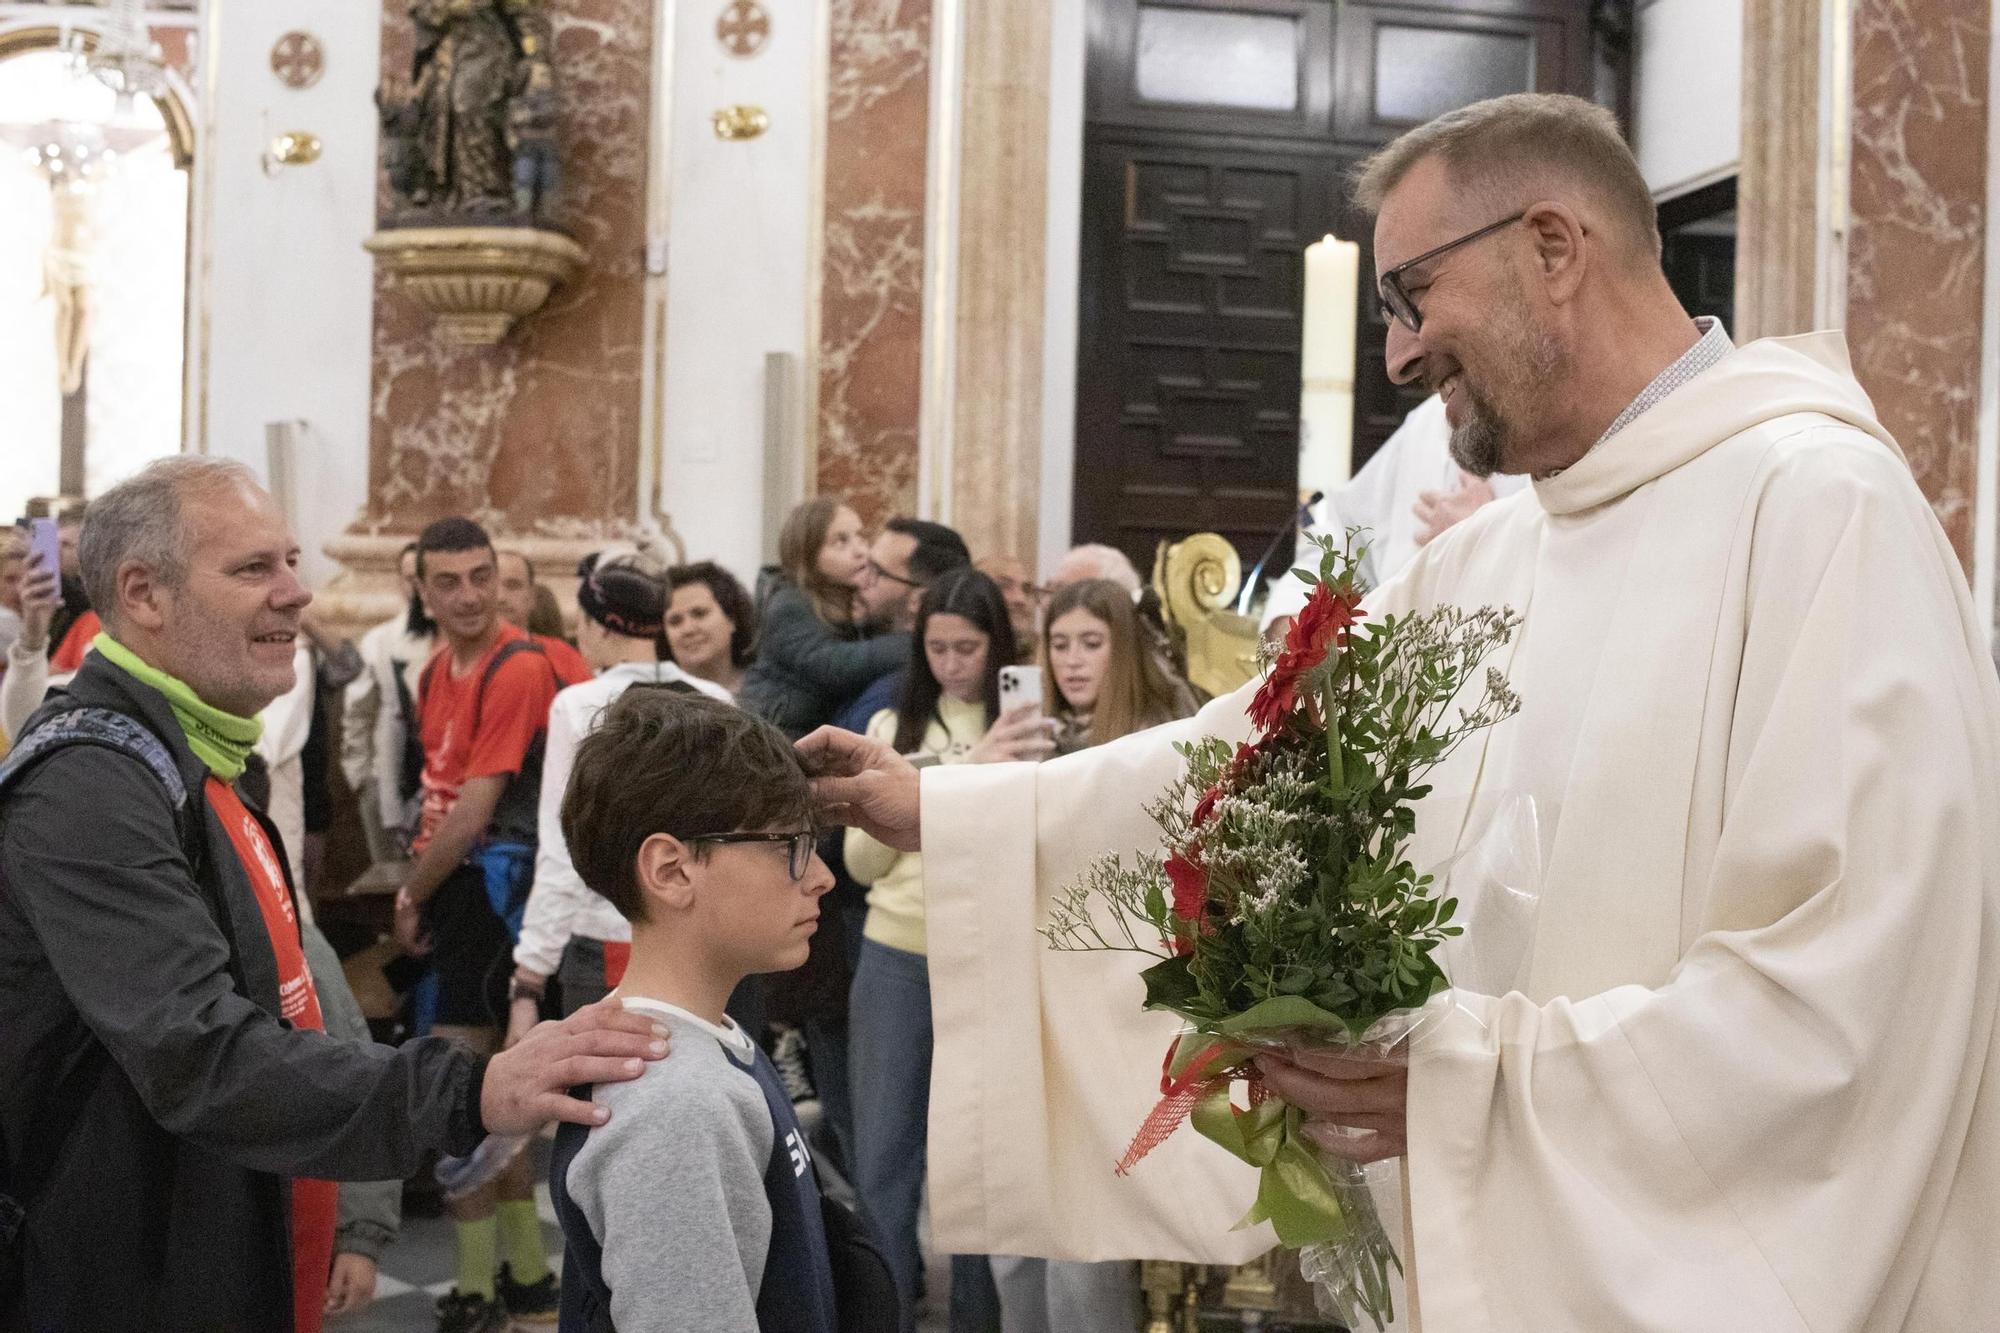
x=872 y=261
x=1778 y=190
x=1916 y=252
x=538 y=437
x=996 y=409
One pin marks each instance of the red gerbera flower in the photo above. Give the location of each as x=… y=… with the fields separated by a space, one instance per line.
x=1321 y=625
x=1204 y=809
x=1190 y=881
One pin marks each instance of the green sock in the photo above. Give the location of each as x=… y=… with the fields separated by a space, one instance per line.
x=478 y=1256
x=521 y=1240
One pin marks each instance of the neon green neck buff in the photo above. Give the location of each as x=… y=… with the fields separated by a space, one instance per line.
x=221 y=740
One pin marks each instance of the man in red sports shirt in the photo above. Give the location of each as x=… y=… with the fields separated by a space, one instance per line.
x=482 y=707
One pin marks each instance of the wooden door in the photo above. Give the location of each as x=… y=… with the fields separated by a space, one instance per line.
x=1218 y=136
x=1188 y=400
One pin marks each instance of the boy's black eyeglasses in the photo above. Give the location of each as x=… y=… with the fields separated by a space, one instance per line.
x=1396 y=300
x=799 y=852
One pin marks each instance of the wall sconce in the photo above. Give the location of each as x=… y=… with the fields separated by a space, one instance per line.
x=737 y=123
x=293 y=148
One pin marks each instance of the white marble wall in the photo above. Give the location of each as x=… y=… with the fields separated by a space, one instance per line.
x=739 y=225
x=282 y=290
x=1687 y=115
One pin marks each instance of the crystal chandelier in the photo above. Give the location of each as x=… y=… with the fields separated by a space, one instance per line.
x=74 y=148
x=127 y=60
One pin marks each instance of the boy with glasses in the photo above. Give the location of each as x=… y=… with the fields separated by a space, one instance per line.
x=696 y=1207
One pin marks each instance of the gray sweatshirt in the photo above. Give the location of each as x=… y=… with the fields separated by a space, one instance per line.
x=673 y=1186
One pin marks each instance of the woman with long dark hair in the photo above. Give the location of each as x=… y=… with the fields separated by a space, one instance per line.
x=949 y=713
x=812 y=654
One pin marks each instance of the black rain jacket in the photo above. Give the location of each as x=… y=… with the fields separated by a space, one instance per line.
x=139 y=1005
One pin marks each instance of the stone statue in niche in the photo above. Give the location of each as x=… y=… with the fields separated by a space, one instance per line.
x=531 y=114
x=474 y=141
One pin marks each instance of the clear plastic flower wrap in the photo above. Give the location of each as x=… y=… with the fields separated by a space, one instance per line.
x=1497 y=879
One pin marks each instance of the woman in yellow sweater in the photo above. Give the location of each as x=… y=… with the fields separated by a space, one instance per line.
x=963 y=637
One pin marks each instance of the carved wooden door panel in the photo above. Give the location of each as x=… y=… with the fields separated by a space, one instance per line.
x=1188 y=397
x=1217 y=134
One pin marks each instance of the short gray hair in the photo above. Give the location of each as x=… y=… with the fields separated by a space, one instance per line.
x=140 y=519
x=1105 y=562
x=1525 y=141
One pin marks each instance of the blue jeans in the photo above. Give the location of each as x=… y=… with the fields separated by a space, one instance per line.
x=889 y=1050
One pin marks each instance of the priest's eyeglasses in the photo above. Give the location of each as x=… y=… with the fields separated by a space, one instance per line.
x=1397 y=303
x=799 y=847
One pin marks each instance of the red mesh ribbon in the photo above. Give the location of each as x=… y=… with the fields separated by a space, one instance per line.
x=1179 y=1098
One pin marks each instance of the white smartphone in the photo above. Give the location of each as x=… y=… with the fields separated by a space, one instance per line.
x=43 y=542
x=1020 y=685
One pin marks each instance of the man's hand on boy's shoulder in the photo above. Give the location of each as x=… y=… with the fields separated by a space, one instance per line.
x=527 y=1084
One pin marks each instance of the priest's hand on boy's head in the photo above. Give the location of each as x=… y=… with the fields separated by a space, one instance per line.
x=526 y=1084
x=865 y=784
x=1343 y=1093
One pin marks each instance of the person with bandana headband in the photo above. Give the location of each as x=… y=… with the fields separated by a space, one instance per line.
x=568 y=931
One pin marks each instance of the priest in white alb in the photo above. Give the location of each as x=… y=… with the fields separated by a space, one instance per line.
x=1747 y=1080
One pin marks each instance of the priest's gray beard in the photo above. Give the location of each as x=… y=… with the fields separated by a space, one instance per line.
x=1501 y=417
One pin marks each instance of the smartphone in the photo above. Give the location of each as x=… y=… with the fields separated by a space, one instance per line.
x=1020 y=685
x=42 y=542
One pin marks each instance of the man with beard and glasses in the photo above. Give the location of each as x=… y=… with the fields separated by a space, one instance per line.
x=379 y=751
x=172 y=1113
x=1748 y=1077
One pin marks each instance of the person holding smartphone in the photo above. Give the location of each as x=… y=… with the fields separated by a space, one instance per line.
x=950 y=711
x=27 y=676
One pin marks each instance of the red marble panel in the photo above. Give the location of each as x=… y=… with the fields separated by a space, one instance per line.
x=871 y=300
x=177 y=50
x=1916 y=256
x=541 y=434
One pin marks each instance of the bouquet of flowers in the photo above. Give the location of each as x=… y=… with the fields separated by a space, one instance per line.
x=1281 y=906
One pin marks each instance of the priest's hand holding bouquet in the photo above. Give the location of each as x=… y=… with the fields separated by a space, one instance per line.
x=1286 y=917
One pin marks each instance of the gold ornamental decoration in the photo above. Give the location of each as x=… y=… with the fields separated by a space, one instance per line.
x=1196 y=579
x=744 y=28
x=736 y=123
x=477 y=280
x=294 y=148
x=298 y=59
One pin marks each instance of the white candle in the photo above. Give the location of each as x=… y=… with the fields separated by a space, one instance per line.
x=1326 y=355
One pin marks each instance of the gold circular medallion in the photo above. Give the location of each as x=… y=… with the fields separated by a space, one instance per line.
x=744 y=28
x=298 y=60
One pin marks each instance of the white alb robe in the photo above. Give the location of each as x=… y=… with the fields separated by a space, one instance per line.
x=1748 y=1083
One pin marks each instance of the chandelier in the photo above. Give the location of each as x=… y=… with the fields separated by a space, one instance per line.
x=127 y=59
x=76 y=147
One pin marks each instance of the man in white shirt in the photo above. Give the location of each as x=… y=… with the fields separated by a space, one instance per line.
x=377 y=715
x=567 y=929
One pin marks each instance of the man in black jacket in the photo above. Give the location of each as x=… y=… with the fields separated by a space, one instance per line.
x=161 y=1087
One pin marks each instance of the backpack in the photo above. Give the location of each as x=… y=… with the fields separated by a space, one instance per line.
x=514 y=818
x=21 y=1184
